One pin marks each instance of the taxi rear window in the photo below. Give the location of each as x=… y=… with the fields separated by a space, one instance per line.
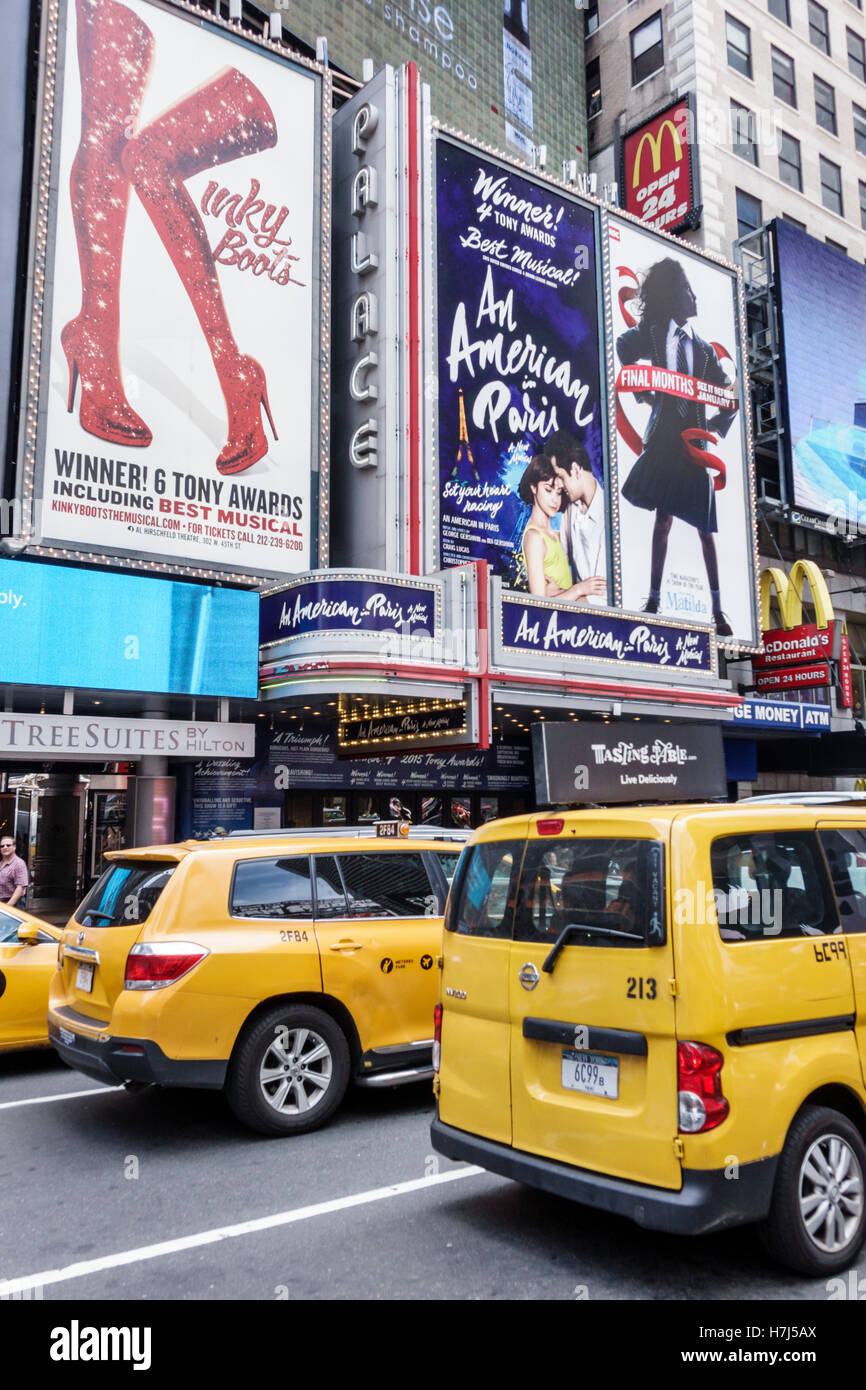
x=125 y=895
x=592 y=892
x=482 y=897
x=771 y=886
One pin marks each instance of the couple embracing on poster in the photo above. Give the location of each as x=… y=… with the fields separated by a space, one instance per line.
x=570 y=563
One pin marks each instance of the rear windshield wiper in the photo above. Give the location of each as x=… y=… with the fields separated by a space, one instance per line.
x=570 y=927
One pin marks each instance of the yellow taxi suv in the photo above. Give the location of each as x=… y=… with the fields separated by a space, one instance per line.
x=28 y=957
x=661 y=1012
x=278 y=967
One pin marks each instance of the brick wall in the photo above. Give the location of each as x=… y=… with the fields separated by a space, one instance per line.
x=459 y=49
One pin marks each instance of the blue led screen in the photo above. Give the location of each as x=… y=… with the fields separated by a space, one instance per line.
x=77 y=627
x=823 y=297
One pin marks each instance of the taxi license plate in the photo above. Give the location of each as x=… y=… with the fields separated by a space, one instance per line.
x=591 y=1073
x=84 y=978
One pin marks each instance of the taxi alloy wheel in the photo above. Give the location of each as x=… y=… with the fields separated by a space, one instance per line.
x=289 y=1072
x=818 y=1219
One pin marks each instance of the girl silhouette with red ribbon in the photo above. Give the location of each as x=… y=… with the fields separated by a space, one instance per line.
x=674 y=475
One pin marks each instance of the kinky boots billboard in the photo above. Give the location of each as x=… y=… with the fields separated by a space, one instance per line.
x=174 y=403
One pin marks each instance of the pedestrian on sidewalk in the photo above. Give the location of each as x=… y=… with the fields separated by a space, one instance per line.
x=14 y=877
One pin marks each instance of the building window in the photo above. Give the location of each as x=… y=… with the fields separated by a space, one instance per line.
x=836 y=245
x=743 y=139
x=593 y=88
x=819 y=26
x=790 y=165
x=862 y=187
x=590 y=21
x=859 y=128
x=783 y=77
x=780 y=9
x=825 y=105
x=856 y=55
x=831 y=185
x=739 y=40
x=786 y=217
x=749 y=216
x=646 y=49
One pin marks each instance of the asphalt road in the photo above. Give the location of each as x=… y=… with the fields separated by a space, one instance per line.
x=104 y=1195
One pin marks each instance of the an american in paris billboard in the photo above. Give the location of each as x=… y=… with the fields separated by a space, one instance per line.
x=684 y=521
x=659 y=169
x=181 y=361
x=823 y=309
x=520 y=418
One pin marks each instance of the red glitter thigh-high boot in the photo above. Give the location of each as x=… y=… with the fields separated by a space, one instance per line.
x=115 y=50
x=221 y=121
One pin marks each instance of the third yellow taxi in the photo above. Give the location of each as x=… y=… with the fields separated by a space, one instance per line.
x=277 y=966
x=661 y=1011
x=28 y=960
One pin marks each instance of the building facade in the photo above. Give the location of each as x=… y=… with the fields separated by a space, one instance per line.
x=770 y=97
x=780 y=93
x=342 y=439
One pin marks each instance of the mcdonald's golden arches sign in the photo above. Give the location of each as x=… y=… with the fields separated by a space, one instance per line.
x=800 y=655
x=658 y=169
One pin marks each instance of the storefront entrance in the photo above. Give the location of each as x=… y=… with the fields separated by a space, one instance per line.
x=64 y=824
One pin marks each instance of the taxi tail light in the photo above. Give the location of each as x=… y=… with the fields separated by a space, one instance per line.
x=702 y=1104
x=554 y=826
x=437 y=1036
x=157 y=964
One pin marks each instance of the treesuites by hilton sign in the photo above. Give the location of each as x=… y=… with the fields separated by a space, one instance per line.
x=81 y=738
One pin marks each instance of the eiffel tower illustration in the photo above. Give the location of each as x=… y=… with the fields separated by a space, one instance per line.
x=463 y=439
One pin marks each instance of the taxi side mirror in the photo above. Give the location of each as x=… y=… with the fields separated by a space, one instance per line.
x=28 y=934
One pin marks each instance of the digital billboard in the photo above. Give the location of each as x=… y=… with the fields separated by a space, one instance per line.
x=70 y=627
x=522 y=478
x=823 y=309
x=683 y=496
x=181 y=359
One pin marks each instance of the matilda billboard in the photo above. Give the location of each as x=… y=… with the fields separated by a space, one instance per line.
x=181 y=399
x=683 y=503
x=520 y=414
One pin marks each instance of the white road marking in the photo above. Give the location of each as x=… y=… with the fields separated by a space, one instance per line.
x=64 y=1095
x=242 y=1228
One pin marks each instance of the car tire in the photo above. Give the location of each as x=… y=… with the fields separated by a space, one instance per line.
x=289 y=1071
x=817 y=1219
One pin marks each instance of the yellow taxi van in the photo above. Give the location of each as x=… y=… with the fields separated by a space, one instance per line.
x=660 y=1011
x=278 y=967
